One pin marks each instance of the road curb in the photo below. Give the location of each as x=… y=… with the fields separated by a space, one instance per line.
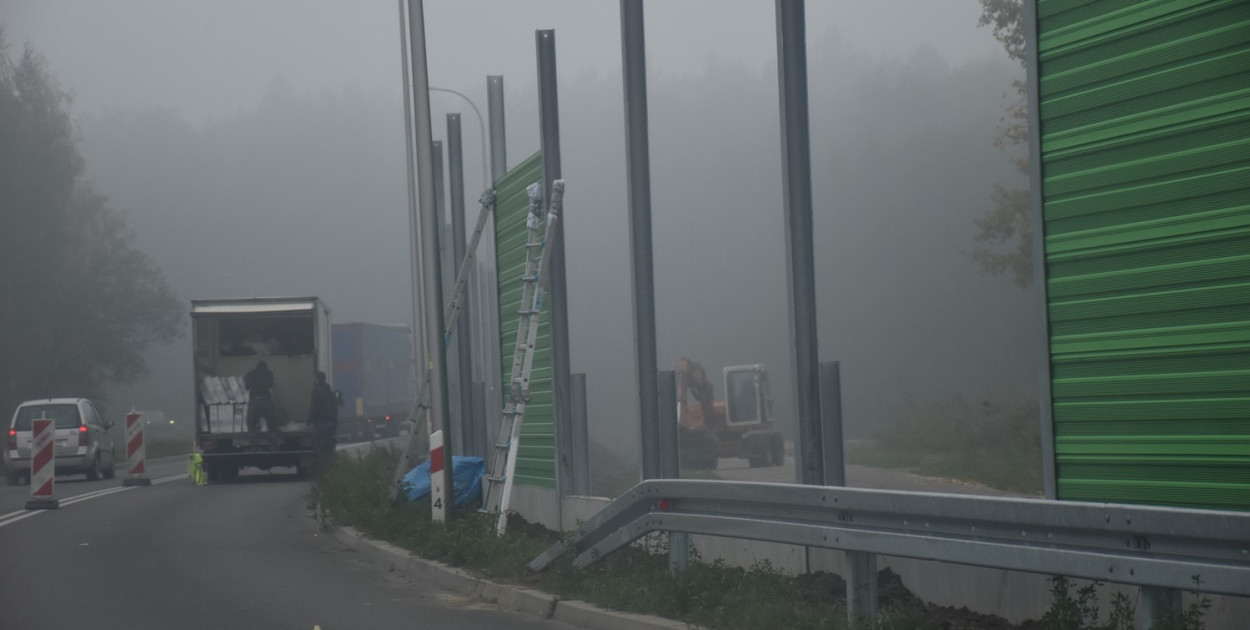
x=505 y=596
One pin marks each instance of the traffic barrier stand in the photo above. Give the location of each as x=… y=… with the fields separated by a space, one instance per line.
x=42 y=465
x=135 y=451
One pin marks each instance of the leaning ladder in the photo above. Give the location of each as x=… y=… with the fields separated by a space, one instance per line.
x=451 y=318
x=497 y=484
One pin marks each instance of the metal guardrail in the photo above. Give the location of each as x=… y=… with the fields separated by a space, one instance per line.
x=1128 y=544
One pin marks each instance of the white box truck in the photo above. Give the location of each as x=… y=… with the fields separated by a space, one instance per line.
x=229 y=338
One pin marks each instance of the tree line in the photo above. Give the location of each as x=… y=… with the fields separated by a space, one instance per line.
x=79 y=303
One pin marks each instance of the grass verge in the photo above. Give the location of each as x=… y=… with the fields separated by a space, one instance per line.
x=998 y=445
x=708 y=594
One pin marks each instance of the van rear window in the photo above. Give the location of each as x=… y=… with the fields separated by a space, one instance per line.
x=66 y=416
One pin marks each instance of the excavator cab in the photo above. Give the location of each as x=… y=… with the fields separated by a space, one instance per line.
x=747 y=397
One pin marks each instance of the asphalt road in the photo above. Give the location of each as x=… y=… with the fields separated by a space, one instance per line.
x=177 y=556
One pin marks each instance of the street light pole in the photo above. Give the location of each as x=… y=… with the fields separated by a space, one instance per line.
x=481 y=134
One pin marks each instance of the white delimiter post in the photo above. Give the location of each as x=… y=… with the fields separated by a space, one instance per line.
x=42 y=465
x=135 y=451
x=438 y=486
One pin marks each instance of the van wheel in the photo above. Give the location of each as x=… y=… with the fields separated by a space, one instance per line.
x=13 y=479
x=93 y=473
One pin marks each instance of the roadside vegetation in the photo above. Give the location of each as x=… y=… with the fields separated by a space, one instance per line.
x=998 y=445
x=708 y=594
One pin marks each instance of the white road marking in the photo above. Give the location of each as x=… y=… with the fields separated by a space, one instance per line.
x=13 y=517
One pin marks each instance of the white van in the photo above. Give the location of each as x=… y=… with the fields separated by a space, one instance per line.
x=83 y=444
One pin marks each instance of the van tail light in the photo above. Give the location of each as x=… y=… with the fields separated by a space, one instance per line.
x=12 y=439
x=388 y=418
x=84 y=435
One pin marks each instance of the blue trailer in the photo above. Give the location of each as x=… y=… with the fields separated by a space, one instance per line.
x=373 y=370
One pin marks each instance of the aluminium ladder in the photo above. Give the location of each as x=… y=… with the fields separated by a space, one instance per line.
x=451 y=318
x=497 y=484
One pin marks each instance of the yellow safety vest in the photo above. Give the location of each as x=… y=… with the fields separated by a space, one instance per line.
x=195 y=469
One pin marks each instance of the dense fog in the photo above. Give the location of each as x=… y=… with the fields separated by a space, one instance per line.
x=257 y=149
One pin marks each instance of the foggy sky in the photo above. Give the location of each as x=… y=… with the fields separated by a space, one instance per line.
x=258 y=150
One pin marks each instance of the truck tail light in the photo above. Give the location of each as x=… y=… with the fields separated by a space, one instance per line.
x=388 y=418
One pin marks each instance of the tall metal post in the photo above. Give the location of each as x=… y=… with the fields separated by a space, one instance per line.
x=638 y=181
x=670 y=460
x=1045 y=409
x=418 y=315
x=430 y=269
x=831 y=418
x=469 y=421
x=498 y=139
x=581 y=436
x=796 y=171
x=549 y=125
x=498 y=168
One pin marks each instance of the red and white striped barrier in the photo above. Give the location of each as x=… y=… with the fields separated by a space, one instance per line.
x=42 y=465
x=438 y=493
x=135 y=451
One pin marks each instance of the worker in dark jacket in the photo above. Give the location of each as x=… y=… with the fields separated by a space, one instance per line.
x=323 y=416
x=259 y=382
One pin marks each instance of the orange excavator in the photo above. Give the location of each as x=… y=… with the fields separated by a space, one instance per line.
x=740 y=426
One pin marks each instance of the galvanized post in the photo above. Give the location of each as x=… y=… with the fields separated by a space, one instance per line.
x=1158 y=604
x=549 y=126
x=430 y=268
x=831 y=419
x=1045 y=409
x=498 y=140
x=581 y=436
x=666 y=425
x=861 y=585
x=638 y=176
x=469 y=423
x=800 y=270
x=498 y=168
x=670 y=460
x=418 y=315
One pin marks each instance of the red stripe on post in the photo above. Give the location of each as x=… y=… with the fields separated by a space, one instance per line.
x=436 y=460
x=45 y=490
x=43 y=456
x=134 y=444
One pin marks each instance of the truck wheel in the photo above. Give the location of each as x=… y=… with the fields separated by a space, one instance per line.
x=13 y=479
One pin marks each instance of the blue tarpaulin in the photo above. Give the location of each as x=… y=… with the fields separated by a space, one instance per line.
x=466 y=475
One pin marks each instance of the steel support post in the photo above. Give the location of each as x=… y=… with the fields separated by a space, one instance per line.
x=498 y=140
x=581 y=436
x=831 y=421
x=638 y=177
x=670 y=459
x=861 y=585
x=796 y=170
x=666 y=424
x=418 y=314
x=431 y=267
x=469 y=423
x=549 y=128
x=1045 y=409
x=1158 y=604
x=498 y=168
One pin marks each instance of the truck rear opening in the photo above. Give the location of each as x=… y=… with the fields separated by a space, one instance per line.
x=230 y=337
